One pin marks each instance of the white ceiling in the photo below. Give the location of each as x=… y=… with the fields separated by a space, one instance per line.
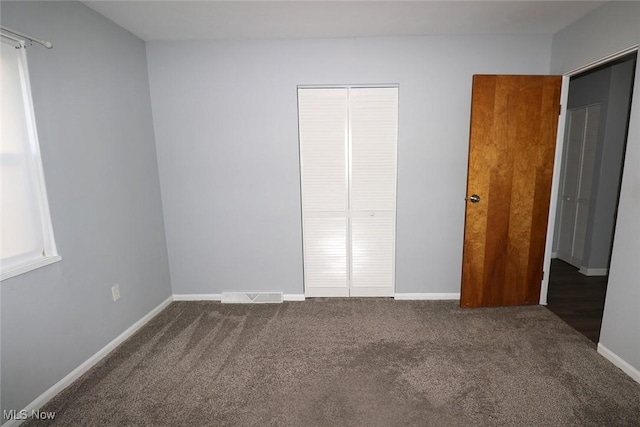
x=189 y=20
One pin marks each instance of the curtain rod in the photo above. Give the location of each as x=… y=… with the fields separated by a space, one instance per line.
x=45 y=43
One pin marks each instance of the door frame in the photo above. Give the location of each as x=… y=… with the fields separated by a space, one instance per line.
x=557 y=164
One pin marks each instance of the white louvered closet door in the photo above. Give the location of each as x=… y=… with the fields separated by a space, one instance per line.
x=582 y=140
x=373 y=117
x=348 y=145
x=322 y=116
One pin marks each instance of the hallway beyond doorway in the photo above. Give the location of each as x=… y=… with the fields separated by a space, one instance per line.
x=577 y=299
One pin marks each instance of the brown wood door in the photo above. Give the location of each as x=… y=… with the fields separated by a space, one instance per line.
x=514 y=123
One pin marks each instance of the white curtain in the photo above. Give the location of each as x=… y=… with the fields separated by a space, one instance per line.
x=21 y=222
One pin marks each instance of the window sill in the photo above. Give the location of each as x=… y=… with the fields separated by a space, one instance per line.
x=29 y=266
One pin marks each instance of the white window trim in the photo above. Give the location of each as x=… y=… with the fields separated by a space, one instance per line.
x=50 y=252
x=29 y=266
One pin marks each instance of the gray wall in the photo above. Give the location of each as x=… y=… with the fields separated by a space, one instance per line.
x=92 y=106
x=607 y=30
x=589 y=89
x=610 y=164
x=226 y=131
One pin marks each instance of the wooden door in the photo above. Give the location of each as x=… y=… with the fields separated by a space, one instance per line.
x=514 y=123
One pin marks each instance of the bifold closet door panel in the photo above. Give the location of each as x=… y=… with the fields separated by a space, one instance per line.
x=373 y=118
x=372 y=255
x=585 y=183
x=325 y=257
x=567 y=226
x=589 y=147
x=577 y=123
x=323 y=164
x=323 y=150
x=570 y=180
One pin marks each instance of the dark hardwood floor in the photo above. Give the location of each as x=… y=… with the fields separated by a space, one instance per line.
x=577 y=299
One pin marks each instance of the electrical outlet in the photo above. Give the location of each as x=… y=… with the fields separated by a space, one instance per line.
x=115 y=292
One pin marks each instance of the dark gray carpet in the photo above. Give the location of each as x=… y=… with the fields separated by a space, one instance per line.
x=352 y=362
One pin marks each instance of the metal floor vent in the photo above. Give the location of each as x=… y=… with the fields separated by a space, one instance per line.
x=252 y=297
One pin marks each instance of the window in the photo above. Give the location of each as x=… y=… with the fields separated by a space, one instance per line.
x=26 y=236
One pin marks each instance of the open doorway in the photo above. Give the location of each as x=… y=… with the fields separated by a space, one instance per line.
x=597 y=121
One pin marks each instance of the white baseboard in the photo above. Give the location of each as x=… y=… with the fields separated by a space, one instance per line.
x=88 y=364
x=594 y=271
x=218 y=297
x=419 y=296
x=301 y=297
x=619 y=362
x=197 y=297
